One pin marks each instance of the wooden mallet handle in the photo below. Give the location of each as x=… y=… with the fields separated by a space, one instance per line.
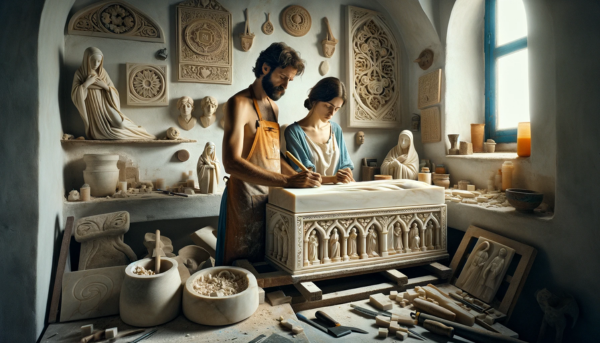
x=296 y=161
x=438 y=328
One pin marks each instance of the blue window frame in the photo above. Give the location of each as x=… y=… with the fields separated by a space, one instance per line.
x=493 y=52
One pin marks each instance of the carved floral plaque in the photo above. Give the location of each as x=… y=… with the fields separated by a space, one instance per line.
x=431 y=128
x=115 y=19
x=373 y=62
x=296 y=20
x=430 y=89
x=204 y=42
x=147 y=85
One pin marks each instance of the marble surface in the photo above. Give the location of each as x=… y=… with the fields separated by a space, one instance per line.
x=358 y=195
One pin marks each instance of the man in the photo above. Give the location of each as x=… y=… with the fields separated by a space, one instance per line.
x=251 y=156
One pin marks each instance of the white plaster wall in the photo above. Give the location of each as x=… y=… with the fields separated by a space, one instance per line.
x=160 y=161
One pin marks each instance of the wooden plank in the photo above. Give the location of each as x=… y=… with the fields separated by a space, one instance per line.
x=396 y=276
x=346 y=296
x=274 y=279
x=421 y=281
x=439 y=269
x=309 y=290
x=60 y=270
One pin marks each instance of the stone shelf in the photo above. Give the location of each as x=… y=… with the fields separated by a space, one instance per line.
x=461 y=215
x=148 y=207
x=489 y=156
x=126 y=141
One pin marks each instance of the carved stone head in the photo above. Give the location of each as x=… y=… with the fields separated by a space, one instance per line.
x=360 y=138
x=209 y=106
x=185 y=105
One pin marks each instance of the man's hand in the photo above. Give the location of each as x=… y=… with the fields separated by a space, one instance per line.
x=344 y=176
x=305 y=179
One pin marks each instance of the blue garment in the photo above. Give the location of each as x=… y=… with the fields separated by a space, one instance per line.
x=220 y=253
x=295 y=142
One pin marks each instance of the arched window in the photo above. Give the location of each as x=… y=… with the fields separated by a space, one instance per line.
x=506 y=69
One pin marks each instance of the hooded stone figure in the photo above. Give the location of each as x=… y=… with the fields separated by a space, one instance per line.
x=97 y=101
x=208 y=169
x=402 y=162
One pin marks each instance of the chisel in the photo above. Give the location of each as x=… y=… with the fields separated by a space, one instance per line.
x=386 y=314
x=468 y=303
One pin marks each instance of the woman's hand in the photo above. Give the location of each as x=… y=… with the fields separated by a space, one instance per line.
x=344 y=176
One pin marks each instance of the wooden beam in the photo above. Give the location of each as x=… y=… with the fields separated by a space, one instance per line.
x=60 y=270
x=309 y=290
x=396 y=276
x=439 y=270
x=421 y=281
x=346 y=296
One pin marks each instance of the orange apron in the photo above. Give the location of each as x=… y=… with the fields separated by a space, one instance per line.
x=246 y=202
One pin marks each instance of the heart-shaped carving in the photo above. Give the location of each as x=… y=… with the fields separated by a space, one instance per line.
x=205 y=72
x=205 y=2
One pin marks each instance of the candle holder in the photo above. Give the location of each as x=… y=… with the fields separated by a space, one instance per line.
x=453 y=141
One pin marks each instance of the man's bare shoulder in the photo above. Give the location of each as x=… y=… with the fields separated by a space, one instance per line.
x=242 y=97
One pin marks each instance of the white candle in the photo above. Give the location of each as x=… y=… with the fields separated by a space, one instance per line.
x=84 y=192
x=123 y=186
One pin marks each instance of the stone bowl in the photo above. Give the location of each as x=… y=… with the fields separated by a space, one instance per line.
x=524 y=200
x=225 y=310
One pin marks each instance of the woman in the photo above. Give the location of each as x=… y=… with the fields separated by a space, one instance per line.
x=402 y=162
x=97 y=100
x=316 y=141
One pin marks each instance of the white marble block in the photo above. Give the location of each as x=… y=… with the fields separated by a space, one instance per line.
x=355 y=225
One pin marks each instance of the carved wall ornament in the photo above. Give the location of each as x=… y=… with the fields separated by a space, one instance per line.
x=431 y=126
x=430 y=89
x=147 y=85
x=425 y=59
x=329 y=42
x=247 y=38
x=267 y=27
x=296 y=20
x=204 y=42
x=374 y=72
x=115 y=19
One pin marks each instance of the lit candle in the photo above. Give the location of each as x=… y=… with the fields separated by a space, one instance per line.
x=84 y=192
x=524 y=139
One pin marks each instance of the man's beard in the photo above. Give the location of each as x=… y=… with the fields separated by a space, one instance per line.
x=273 y=92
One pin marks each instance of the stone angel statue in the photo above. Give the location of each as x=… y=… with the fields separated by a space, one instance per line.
x=208 y=170
x=402 y=162
x=97 y=101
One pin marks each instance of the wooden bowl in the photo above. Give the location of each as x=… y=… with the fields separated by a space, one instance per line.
x=524 y=200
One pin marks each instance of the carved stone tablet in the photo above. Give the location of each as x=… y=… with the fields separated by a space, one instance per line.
x=147 y=85
x=91 y=293
x=430 y=89
x=431 y=128
x=296 y=20
x=374 y=71
x=204 y=42
x=115 y=19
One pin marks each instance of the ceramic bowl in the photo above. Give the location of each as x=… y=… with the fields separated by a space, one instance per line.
x=524 y=200
x=216 y=311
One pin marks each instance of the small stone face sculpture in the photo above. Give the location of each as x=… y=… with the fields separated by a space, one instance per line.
x=360 y=138
x=101 y=239
x=402 y=162
x=73 y=195
x=208 y=170
x=185 y=105
x=209 y=106
x=173 y=133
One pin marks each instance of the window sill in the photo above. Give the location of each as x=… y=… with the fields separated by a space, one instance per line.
x=489 y=156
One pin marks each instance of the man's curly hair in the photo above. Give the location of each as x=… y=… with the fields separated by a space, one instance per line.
x=278 y=55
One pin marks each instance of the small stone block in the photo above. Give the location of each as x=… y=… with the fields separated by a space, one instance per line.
x=410 y=294
x=466 y=148
x=287 y=324
x=111 y=333
x=393 y=295
x=401 y=335
x=278 y=298
x=394 y=326
x=488 y=320
x=380 y=301
x=87 y=330
x=403 y=318
x=383 y=321
x=471 y=188
x=297 y=329
x=261 y=295
x=383 y=333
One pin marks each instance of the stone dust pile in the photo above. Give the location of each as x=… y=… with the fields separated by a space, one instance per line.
x=223 y=284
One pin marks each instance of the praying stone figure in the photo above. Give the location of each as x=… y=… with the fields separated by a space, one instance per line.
x=98 y=103
x=473 y=269
x=402 y=162
x=284 y=244
x=372 y=246
x=185 y=105
x=209 y=106
x=334 y=246
x=313 y=248
x=352 y=251
x=429 y=236
x=208 y=169
x=360 y=138
x=489 y=278
x=398 y=238
x=413 y=237
x=101 y=239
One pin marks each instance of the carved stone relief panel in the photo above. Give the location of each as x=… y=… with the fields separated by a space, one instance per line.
x=204 y=42
x=147 y=85
x=374 y=71
x=115 y=19
x=430 y=89
x=296 y=20
x=431 y=127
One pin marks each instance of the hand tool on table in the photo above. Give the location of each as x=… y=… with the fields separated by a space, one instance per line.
x=474 y=334
x=372 y=313
x=468 y=303
x=438 y=328
x=327 y=319
x=172 y=193
x=143 y=337
x=336 y=331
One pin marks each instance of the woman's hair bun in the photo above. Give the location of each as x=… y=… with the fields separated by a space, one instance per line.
x=308 y=104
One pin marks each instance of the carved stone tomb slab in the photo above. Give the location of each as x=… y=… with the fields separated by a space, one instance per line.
x=431 y=126
x=91 y=293
x=430 y=89
x=373 y=60
x=147 y=85
x=115 y=19
x=204 y=42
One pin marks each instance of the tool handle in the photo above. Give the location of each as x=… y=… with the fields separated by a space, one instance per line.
x=438 y=328
x=96 y=336
x=327 y=319
x=296 y=161
x=304 y=319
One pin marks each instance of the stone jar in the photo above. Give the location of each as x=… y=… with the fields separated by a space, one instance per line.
x=223 y=310
x=101 y=173
x=441 y=180
x=150 y=300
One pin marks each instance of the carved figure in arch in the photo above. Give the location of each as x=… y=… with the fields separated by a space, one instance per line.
x=313 y=248
x=413 y=237
x=398 y=246
x=334 y=246
x=474 y=270
x=489 y=279
x=402 y=162
x=352 y=251
x=98 y=103
x=372 y=246
x=429 y=236
x=185 y=105
x=284 y=243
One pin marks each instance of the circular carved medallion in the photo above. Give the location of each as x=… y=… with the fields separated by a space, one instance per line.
x=204 y=37
x=425 y=59
x=117 y=19
x=147 y=84
x=296 y=21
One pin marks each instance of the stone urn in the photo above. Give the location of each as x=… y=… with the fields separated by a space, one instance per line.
x=150 y=300
x=101 y=173
x=441 y=180
x=223 y=310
